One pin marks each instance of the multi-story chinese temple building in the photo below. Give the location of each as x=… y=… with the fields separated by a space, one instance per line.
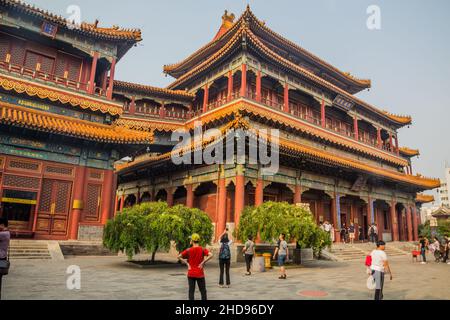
x=338 y=153
x=59 y=135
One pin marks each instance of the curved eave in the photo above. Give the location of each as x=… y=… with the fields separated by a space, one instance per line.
x=54 y=94
x=424 y=198
x=17 y=116
x=296 y=149
x=177 y=70
x=407 y=152
x=149 y=125
x=152 y=91
x=360 y=83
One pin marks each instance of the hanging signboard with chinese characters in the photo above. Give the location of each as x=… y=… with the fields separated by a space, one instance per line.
x=343 y=103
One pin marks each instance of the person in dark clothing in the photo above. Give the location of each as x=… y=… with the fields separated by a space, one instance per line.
x=361 y=234
x=446 y=248
x=225 y=259
x=249 y=251
x=5 y=237
x=423 y=247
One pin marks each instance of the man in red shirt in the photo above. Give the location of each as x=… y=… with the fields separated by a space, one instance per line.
x=195 y=258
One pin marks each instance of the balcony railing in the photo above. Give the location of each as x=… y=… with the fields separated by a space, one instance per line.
x=48 y=78
x=372 y=141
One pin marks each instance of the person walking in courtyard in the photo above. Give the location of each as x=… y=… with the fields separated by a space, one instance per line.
x=379 y=267
x=283 y=254
x=446 y=248
x=351 y=232
x=423 y=247
x=195 y=258
x=371 y=233
x=249 y=252
x=5 y=237
x=361 y=234
x=224 y=258
x=344 y=233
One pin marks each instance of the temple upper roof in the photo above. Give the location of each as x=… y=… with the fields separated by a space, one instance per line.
x=123 y=38
x=89 y=29
x=291 y=51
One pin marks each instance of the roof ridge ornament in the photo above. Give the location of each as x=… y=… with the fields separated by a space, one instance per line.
x=228 y=19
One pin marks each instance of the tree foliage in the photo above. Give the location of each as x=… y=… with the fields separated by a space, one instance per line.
x=443 y=229
x=272 y=218
x=153 y=226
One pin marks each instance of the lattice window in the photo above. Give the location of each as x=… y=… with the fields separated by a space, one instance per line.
x=46 y=196
x=64 y=171
x=31 y=166
x=21 y=182
x=4 y=48
x=17 y=53
x=62 y=197
x=92 y=206
x=31 y=60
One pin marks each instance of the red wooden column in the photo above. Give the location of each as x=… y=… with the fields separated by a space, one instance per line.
x=415 y=223
x=107 y=195
x=355 y=127
x=259 y=192
x=394 y=221
x=221 y=205
x=78 y=201
x=92 y=76
x=189 y=196
x=370 y=213
x=230 y=86
x=132 y=109
x=162 y=111
x=111 y=79
x=116 y=202
x=323 y=114
x=122 y=202
x=379 y=142
x=244 y=80
x=258 y=86
x=170 y=197
x=239 y=194
x=396 y=145
x=334 y=219
x=298 y=194
x=409 y=223
x=286 y=98
x=205 y=98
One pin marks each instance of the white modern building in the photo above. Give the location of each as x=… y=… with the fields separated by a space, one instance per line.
x=444 y=190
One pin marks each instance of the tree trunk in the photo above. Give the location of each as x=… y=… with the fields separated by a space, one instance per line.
x=154 y=254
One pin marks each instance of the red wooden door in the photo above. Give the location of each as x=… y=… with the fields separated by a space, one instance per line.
x=54 y=206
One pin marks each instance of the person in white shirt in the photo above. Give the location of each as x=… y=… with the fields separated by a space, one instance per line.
x=379 y=266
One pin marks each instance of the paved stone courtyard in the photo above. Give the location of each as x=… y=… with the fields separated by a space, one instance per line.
x=113 y=278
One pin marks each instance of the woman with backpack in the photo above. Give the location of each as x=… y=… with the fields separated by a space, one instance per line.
x=225 y=258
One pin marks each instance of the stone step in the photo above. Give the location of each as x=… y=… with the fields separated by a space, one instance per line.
x=28 y=257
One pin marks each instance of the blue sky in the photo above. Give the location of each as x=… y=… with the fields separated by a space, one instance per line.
x=408 y=60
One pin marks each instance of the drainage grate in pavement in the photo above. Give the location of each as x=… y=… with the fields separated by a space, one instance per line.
x=177 y=274
x=312 y=293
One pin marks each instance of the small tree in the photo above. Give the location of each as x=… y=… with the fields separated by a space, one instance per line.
x=273 y=218
x=154 y=226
